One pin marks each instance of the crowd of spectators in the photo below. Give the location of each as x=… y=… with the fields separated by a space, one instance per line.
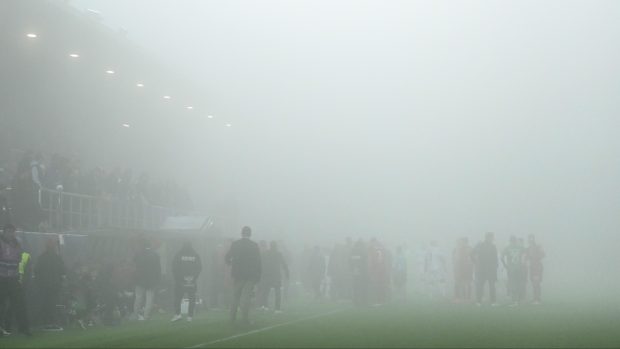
x=21 y=183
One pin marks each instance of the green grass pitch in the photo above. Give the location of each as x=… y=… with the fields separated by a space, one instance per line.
x=414 y=324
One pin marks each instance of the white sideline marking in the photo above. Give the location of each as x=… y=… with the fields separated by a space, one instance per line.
x=263 y=329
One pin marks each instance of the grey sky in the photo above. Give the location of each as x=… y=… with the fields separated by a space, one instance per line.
x=395 y=118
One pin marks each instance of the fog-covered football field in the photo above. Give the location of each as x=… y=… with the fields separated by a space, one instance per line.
x=326 y=324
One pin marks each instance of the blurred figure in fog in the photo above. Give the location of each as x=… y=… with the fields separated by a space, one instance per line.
x=273 y=264
x=378 y=271
x=534 y=256
x=186 y=268
x=484 y=256
x=11 y=290
x=513 y=258
x=219 y=276
x=399 y=272
x=463 y=270
x=316 y=271
x=147 y=277
x=49 y=274
x=245 y=261
x=359 y=271
x=25 y=194
x=435 y=270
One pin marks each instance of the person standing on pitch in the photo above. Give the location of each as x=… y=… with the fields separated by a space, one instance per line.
x=512 y=259
x=273 y=265
x=245 y=261
x=186 y=268
x=535 y=255
x=49 y=275
x=10 y=286
x=486 y=262
x=147 y=276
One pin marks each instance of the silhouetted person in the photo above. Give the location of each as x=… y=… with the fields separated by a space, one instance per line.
x=147 y=277
x=399 y=272
x=358 y=263
x=245 y=260
x=435 y=270
x=485 y=261
x=186 y=268
x=535 y=255
x=10 y=286
x=49 y=273
x=463 y=270
x=273 y=265
x=316 y=271
x=513 y=260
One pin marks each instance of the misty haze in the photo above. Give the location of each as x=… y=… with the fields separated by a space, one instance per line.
x=228 y=173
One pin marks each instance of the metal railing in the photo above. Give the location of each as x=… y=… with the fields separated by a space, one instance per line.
x=71 y=211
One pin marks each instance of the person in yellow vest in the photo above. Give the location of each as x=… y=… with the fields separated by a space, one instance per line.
x=24 y=269
x=11 y=290
x=24 y=279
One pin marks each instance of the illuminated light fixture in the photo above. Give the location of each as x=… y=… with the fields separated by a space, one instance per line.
x=209 y=116
x=32 y=35
x=74 y=55
x=126 y=125
x=189 y=107
x=228 y=125
x=140 y=84
x=110 y=72
x=167 y=97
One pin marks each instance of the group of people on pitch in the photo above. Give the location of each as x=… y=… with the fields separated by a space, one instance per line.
x=479 y=265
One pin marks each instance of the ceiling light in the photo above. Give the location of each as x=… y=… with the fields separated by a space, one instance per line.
x=126 y=125
x=140 y=84
x=167 y=97
x=228 y=125
x=110 y=72
x=210 y=116
x=74 y=55
x=189 y=107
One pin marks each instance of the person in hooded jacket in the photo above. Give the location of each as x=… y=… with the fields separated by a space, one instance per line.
x=186 y=268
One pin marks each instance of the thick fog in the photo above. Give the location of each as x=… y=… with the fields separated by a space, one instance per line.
x=402 y=120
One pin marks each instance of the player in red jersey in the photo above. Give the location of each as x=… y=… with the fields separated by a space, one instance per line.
x=535 y=255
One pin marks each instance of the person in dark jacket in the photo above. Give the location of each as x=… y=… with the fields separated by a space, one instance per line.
x=186 y=268
x=147 y=277
x=244 y=259
x=10 y=287
x=49 y=274
x=485 y=259
x=273 y=264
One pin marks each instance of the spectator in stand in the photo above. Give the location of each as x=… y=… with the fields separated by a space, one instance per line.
x=26 y=185
x=142 y=189
x=186 y=268
x=126 y=185
x=113 y=183
x=10 y=286
x=244 y=258
x=147 y=277
x=49 y=273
